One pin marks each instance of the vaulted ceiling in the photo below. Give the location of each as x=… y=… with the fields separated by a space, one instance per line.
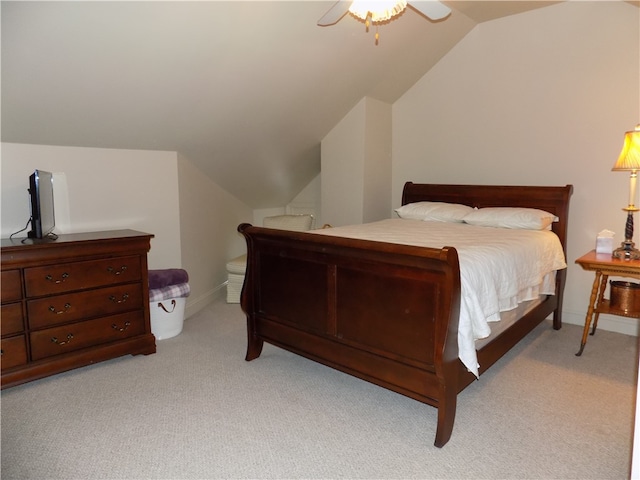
x=245 y=90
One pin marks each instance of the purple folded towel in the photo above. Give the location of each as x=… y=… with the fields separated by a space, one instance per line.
x=166 y=278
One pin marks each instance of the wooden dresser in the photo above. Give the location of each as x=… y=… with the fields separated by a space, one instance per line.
x=70 y=302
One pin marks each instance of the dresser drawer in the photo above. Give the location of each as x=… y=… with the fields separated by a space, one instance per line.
x=70 y=307
x=67 y=277
x=11 y=317
x=14 y=352
x=11 y=286
x=68 y=338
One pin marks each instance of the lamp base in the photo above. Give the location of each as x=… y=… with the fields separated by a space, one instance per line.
x=627 y=251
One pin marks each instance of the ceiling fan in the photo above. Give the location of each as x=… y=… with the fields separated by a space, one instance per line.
x=382 y=10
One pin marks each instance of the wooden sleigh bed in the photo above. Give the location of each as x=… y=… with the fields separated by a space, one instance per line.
x=384 y=312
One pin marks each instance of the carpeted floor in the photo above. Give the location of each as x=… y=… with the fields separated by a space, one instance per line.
x=196 y=409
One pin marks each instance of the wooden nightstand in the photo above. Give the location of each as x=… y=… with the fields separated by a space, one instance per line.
x=604 y=265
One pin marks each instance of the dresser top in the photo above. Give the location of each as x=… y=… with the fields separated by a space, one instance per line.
x=25 y=252
x=7 y=243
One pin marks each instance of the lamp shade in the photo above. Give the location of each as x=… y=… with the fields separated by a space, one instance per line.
x=629 y=159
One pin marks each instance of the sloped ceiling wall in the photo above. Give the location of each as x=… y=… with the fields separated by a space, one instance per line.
x=245 y=90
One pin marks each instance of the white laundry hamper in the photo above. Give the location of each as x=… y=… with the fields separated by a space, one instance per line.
x=168 y=292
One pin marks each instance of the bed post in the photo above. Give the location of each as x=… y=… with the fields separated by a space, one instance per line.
x=561 y=228
x=447 y=361
x=254 y=343
x=446 y=415
x=561 y=276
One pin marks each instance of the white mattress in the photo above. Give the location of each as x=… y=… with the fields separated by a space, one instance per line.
x=499 y=267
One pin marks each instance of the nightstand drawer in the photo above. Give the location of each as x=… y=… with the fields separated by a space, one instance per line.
x=59 y=309
x=68 y=338
x=11 y=285
x=11 y=316
x=68 y=277
x=14 y=352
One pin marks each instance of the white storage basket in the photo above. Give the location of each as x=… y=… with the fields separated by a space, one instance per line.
x=167 y=317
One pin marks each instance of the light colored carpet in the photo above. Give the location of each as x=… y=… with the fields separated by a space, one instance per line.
x=196 y=409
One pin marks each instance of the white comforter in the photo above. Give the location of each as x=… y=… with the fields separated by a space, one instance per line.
x=499 y=267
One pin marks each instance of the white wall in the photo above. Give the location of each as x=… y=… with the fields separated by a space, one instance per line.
x=538 y=98
x=99 y=189
x=194 y=220
x=377 y=165
x=309 y=200
x=306 y=202
x=209 y=218
x=356 y=166
x=342 y=169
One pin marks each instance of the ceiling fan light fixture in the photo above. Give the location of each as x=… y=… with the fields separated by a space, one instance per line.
x=377 y=10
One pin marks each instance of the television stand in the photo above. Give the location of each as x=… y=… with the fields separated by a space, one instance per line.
x=48 y=236
x=73 y=301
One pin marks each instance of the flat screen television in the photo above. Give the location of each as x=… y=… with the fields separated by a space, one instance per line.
x=42 y=213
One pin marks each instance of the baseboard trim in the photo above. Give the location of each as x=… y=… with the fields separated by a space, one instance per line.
x=194 y=305
x=611 y=323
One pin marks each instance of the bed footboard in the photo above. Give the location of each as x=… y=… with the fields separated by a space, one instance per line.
x=385 y=313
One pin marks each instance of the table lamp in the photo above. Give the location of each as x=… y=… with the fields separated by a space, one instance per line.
x=629 y=161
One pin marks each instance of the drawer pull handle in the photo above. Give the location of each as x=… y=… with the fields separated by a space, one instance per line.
x=123 y=268
x=55 y=340
x=64 y=276
x=121 y=329
x=67 y=307
x=125 y=297
x=173 y=304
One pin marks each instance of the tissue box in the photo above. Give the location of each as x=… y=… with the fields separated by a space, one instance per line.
x=604 y=242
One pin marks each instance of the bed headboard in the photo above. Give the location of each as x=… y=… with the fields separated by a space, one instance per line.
x=551 y=199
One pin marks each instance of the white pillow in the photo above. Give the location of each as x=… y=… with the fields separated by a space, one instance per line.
x=511 y=217
x=434 y=211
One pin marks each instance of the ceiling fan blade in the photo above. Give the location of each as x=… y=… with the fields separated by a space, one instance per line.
x=431 y=8
x=335 y=13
